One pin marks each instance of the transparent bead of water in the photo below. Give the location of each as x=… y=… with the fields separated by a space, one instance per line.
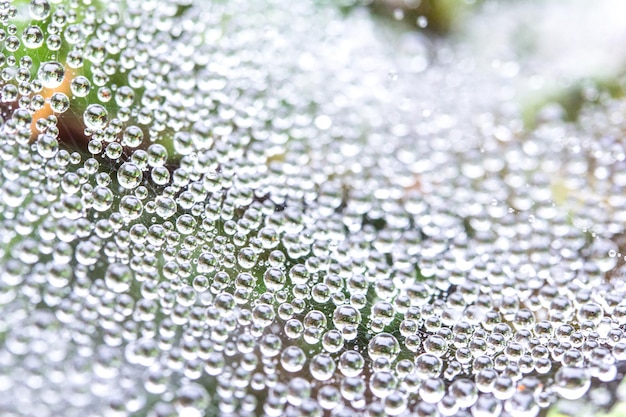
x=346 y=315
x=32 y=37
x=572 y=383
x=191 y=400
x=351 y=363
x=328 y=397
x=322 y=367
x=487 y=406
x=129 y=175
x=39 y=9
x=59 y=102
x=95 y=117
x=382 y=383
x=80 y=86
x=383 y=345
x=464 y=391
x=332 y=341
x=428 y=366
x=124 y=96
x=133 y=136
x=130 y=207
x=51 y=74
x=47 y=145
x=292 y=359
x=432 y=390
x=118 y=277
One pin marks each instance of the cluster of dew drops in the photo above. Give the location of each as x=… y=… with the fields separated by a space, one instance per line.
x=262 y=208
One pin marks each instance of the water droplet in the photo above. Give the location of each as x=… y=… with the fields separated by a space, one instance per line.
x=51 y=74
x=351 y=363
x=129 y=175
x=292 y=359
x=47 y=145
x=59 y=102
x=80 y=86
x=32 y=37
x=95 y=117
x=191 y=400
x=118 y=277
x=572 y=383
x=383 y=345
x=39 y=9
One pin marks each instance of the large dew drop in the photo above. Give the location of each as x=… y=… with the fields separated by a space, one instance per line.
x=118 y=277
x=39 y=9
x=129 y=175
x=32 y=37
x=95 y=117
x=572 y=383
x=51 y=74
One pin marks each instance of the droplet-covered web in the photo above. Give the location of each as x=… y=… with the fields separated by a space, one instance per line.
x=232 y=208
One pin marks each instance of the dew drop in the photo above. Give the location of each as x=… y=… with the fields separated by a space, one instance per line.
x=129 y=175
x=118 y=277
x=39 y=9
x=80 y=86
x=95 y=117
x=47 y=145
x=59 y=102
x=383 y=345
x=292 y=359
x=572 y=383
x=51 y=74
x=32 y=37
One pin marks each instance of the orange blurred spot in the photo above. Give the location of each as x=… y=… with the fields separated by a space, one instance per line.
x=416 y=186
